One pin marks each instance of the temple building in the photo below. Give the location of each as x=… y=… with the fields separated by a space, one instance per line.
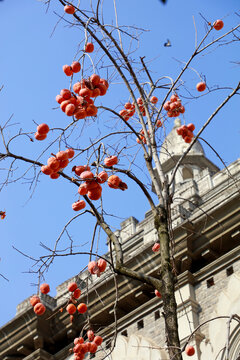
x=206 y=233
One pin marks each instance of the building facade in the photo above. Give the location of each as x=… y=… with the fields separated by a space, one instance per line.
x=206 y=233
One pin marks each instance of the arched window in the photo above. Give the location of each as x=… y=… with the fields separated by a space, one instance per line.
x=234 y=346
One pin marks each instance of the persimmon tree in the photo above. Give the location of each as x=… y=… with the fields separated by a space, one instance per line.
x=134 y=140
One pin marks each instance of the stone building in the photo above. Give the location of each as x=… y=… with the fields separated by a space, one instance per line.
x=206 y=231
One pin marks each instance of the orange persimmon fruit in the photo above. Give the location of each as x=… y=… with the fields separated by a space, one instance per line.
x=154 y=99
x=76 y=67
x=94 y=194
x=46 y=170
x=69 y=9
x=62 y=155
x=90 y=335
x=72 y=286
x=114 y=181
x=102 y=264
x=71 y=309
x=89 y=47
x=39 y=309
x=111 y=160
x=67 y=70
x=218 y=24
x=65 y=93
x=190 y=351
x=102 y=177
x=157 y=293
x=156 y=247
x=54 y=175
x=43 y=129
x=78 y=205
x=201 y=86
x=44 y=288
x=91 y=110
x=34 y=300
x=86 y=175
x=92 y=267
x=40 y=136
x=93 y=347
x=70 y=153
x=82 y=308
x=70 y=109
x=77 y=293
x=98 y=340
x=102 y=88
x=95 y=79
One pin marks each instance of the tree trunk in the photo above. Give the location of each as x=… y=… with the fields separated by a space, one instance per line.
x=167 y=287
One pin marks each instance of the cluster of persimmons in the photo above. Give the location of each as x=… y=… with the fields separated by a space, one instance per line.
x=174 y=106
x=186 y=131
x=91 y=185
x=57 y=163
x=81 y=346
x=79 y=103
x=90 y=345
x=94 y=268
x=129 y=111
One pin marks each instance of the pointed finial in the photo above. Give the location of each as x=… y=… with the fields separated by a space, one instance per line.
x=177 y=122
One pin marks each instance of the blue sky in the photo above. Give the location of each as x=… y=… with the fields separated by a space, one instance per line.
x=31 y=73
